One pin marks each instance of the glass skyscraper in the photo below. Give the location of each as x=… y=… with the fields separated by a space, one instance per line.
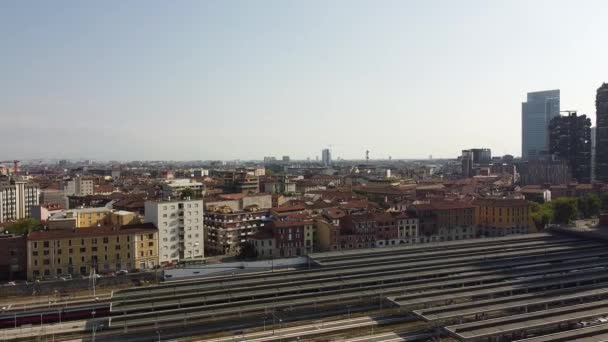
x=536 y=113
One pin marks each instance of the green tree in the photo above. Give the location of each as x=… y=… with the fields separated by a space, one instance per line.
x=589 y=206
x=542 y=214
x=188 y=193
x=24 y=226
x=565 y=210
x=247 y=251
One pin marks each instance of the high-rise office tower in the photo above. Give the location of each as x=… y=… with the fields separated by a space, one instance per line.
x=536 y=113
x=326 y=157
x=570 y=140
x=601 y=131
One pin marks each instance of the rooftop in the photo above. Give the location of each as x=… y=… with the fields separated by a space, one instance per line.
x=56 y=234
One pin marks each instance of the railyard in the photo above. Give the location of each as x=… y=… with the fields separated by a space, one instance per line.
x=510 y=288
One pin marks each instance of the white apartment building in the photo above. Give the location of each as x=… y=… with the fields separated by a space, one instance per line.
x=78 y=186
x=180 y=229
x=16 y=200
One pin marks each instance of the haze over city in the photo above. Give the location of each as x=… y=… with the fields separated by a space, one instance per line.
x=225 y=80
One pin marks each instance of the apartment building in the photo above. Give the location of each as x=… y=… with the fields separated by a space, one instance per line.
x=17 y=197
x=281 y=239
x=59 y=252
x=445 y=220
x=78 y=186
x=180 y=229
x=227 y=229
x=500 y=216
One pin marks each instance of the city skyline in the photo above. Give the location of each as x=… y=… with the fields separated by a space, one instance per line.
x=219 y=81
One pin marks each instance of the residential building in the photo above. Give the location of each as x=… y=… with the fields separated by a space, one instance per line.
x=237 y=181
x=445 y=220
x=13 y=257
x=326 y=157
x=52 y=196
x=536 y=113
x=17 y=197
x=601 y=147
x=180 y=229
x=570 y=140
x=285 y=159
x=503 y=216
x=282 y=239
x=43 y=212
x=226 y=228
x=78 y=186
x=91 y=217
x=174 y=188
x=59 y=252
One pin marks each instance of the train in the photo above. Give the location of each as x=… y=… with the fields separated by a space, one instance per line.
x=12 y=319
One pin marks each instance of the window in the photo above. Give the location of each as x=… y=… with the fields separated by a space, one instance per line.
x=35 y=253
x=46 y=252
x=118 y=239
x=141 y=253
x=94 y=249
x=150 y=244
x=82 y=259
x=150 y=236
x=46 y=244
x=105 y=240
x=69 y=242
x=83 y=250
x=35 y=244
x=82 y=242
x=150 y=252
x=117 y=247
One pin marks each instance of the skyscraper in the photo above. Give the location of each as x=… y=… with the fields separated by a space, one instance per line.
x=326 y=157
x=601 y=137
x=570 y=140
x=536 y=113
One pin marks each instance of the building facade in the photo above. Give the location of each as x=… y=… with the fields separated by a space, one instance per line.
x=500 y=217
x=180 y=229
x=445 y=220
x=13 y=257
x=226 y=228
x=570 y=140
x=78 y=186
x=326 y=157
x=17 y=198
x=601 y=138
x=56 y=253
x=536 y=113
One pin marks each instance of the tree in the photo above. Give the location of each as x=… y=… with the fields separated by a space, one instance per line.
x=187 y=193
x=589 y=206
x=24 y=226
x=565 y=210
x=542 y=214
x=247 y=251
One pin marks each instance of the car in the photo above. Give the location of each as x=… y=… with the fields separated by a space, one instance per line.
x=122 y=272
x=11 y=283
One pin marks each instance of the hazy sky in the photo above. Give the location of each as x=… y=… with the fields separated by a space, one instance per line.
x=246 y=79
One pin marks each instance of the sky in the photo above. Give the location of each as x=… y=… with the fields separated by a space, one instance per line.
x=198 y=80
